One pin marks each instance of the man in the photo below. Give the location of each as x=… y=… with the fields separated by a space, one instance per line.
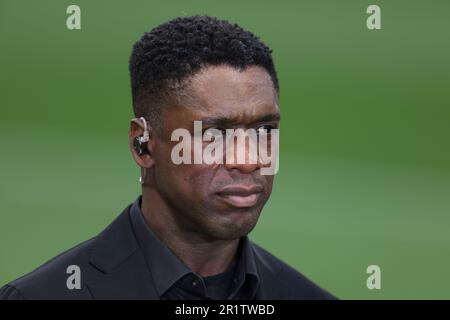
x=186 y=236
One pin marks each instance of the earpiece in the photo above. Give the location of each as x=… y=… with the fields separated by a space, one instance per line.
x=139 y=142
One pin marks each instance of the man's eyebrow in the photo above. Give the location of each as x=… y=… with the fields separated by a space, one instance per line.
x=269 y=117
x=222 y=121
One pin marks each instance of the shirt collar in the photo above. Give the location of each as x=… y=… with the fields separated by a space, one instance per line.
x=246 y=276
x=166 y=268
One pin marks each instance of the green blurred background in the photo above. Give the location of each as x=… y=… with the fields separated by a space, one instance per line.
x=365 y=164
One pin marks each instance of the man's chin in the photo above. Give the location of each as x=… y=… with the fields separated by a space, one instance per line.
x=234 y=225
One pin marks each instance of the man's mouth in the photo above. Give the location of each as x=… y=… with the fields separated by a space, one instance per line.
x=240 y=196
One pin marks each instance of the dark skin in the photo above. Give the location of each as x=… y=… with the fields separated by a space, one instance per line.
x=184 y=204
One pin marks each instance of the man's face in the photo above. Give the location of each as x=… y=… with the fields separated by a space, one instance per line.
x=218 y=201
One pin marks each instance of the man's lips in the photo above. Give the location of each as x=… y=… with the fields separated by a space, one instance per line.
x=240 y=196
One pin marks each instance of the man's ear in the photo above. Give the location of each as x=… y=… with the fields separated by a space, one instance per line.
x=141 y=150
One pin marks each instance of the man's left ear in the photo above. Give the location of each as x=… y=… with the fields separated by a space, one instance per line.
x=141 y=142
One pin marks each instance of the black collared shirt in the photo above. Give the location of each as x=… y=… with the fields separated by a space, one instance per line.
x=173 y=280
x=127 y=261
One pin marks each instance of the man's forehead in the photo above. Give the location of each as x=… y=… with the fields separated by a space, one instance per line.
x=231 y=90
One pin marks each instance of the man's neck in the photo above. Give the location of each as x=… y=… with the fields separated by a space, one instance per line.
x=205 y=257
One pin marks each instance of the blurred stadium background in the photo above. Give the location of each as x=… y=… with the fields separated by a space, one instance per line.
x=365 y=165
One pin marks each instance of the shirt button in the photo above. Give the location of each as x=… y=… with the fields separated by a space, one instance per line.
x=195 y=283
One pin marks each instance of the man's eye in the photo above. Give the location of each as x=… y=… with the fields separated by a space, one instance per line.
x=266 y=129
x=215 y=132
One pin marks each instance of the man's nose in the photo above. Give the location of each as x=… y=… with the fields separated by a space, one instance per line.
x=242 y=156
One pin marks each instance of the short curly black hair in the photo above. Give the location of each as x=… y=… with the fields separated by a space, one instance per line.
x=167 y=55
